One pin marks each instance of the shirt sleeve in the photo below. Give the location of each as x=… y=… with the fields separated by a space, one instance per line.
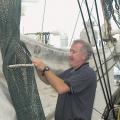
x=81 y=82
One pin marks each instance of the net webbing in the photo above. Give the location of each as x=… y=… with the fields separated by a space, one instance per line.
x=21 y=80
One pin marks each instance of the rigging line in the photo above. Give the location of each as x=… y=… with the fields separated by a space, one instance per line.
x=107 y=90
x=108 y=69
x=118 y=61
x=92 y=7
x=117 y=6
x=75 y=25
x=74 y=29
x=98 y=54
x=108 y=81
x=106 y=100
x=102 y=75
x=97 y=50
x=118 y=10
x=112 y=13
x=43 y=16
x=113 y=55
x=91 y=12
x=77 y=21
x=112 y=106
x=118 y=66
x=117 y=23
x=97 y=111
x=93 y=56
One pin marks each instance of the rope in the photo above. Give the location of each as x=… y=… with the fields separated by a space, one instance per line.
x=103 y=49
x=99 y=60
x=108 y=90
x=109 y=10
x=75 y=25
x=43 y=16
x=97 y=111
x=77 y=22
x=93 y=55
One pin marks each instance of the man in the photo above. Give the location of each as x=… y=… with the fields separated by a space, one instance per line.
x=75 y=86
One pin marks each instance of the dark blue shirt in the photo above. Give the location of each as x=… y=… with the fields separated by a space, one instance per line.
x=78 y=103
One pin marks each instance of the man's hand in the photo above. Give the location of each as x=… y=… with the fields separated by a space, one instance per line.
x=38 y=64
x=52 y=79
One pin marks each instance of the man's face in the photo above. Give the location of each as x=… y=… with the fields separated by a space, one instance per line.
x=76 y=57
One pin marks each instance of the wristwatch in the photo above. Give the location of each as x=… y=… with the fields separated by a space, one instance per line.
x=46 y=68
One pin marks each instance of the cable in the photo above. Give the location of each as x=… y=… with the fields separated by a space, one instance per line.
x=98 y=52
x=109 y=10
x=103 y=51
x=93 y=55
x=75 y=25
x=97 y=111
x=109 y=88
x=107 y=91
x=43 y=16
x=77 y=22
x=74 y=29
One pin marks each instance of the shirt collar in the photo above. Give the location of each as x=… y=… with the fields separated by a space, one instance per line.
x=84 y=64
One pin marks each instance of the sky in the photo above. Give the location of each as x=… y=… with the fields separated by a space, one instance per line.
x=60 y=16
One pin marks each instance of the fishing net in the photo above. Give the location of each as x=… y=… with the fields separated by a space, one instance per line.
x=112 y=9
x=20 y=80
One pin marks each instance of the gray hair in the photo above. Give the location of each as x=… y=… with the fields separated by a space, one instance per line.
x=86 y=48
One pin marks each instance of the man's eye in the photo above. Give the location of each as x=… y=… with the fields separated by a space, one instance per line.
x=74 y=52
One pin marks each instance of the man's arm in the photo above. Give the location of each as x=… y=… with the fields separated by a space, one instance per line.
x=57 y=83
x=43 y=78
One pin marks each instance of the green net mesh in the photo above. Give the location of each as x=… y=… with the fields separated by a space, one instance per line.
x=112 y=9
x=20 y=80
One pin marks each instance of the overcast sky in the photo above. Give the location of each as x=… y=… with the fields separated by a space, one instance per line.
x=60 y=15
